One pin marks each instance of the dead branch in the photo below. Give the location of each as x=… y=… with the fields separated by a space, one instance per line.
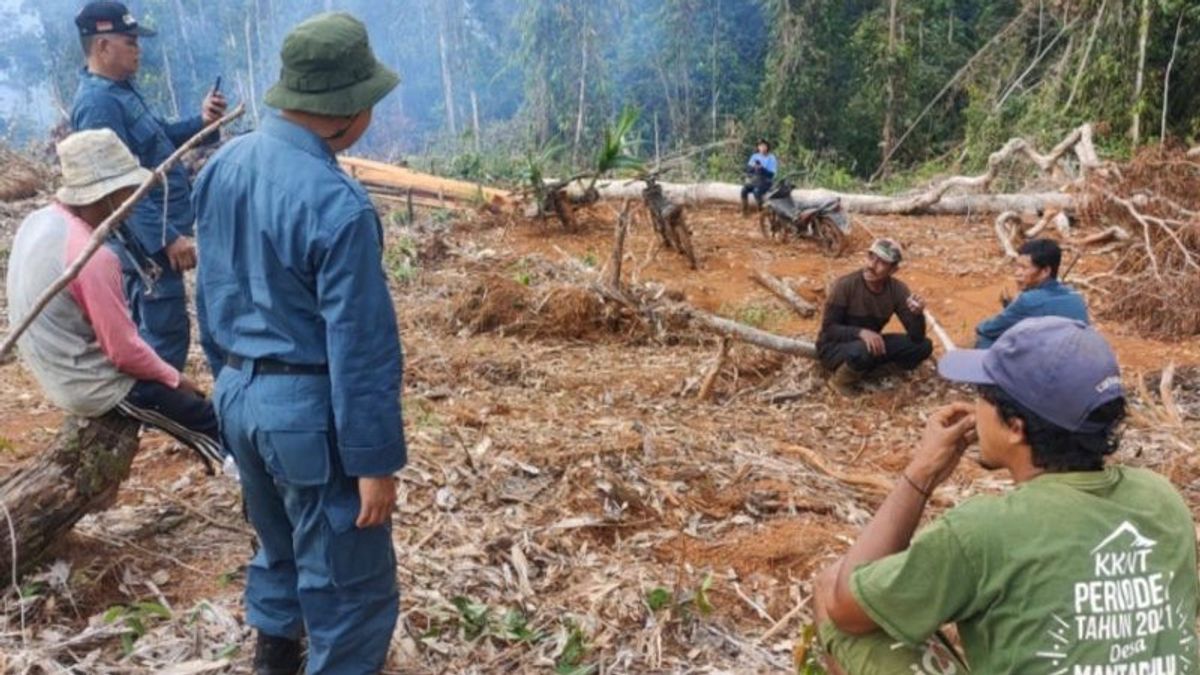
x=1146 y=221
x=100 y=234
x=942 y=335
x=1006 y=231
x=618 y=253
x=1058 y=219
x=871 y=482
x=748 y=334
x=784 y=292
x=1167 y=395
x=1114 y=233
x=714 y=370
x=1079 y=140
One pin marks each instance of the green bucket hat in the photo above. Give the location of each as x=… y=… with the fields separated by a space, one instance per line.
x=329 y=69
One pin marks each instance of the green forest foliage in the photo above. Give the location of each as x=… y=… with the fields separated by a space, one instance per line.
x=837 y=85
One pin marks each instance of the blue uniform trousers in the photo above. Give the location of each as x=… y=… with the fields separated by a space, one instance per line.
x=161 y=317
x=314 y=571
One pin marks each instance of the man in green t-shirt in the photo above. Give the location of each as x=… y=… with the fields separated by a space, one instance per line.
x=1081 y=569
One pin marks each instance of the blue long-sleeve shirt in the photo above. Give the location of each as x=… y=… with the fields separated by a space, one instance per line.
x=1050 y=298
x=291 y=269
x=768 y=162
x=101 y=103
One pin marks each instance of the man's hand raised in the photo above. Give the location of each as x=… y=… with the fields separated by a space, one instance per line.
x=213 y=107
x=947 y=433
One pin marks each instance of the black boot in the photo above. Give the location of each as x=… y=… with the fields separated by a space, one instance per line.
x=277 y=656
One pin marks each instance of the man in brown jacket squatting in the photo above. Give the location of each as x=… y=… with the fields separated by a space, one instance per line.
x=851 y=343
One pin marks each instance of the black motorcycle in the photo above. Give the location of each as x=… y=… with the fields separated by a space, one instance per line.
x=825 y=220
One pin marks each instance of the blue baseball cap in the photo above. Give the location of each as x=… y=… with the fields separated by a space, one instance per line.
x=1059 y=369
x=98 y=18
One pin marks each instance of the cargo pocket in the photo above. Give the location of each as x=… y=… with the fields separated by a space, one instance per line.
x=357 y=556
x=294 y=441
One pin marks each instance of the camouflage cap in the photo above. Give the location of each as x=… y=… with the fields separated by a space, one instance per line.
x=329 y=68
x=887 y=250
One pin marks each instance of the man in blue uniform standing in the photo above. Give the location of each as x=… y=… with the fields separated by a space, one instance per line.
x=292 y=292
x=107 y=99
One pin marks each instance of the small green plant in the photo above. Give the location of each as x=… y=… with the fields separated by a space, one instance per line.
x=807 y=660
x=681 y=606
x=6 y=445
x=659 y=598
x=400 y=260
x=515 y=628
x=134 y=618
x=399 y=217
x=478 y=620
x=421 y=412
x=474 y=617
x=443 y=216
x=758 y=316
x=570 y=661
x=228 y=577
x=590 y=259
x=701 y=598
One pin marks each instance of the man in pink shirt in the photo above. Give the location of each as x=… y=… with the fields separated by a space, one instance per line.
x=84 y=349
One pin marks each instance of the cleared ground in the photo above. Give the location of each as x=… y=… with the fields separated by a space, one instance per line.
x=569 y=502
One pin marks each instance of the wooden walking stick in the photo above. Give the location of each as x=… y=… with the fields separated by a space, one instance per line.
x=940 y=332
x=105 y=228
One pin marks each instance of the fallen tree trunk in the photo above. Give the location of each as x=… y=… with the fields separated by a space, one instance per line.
x=726 y=193
x=748 y=334
x=934 y=199
x=43 y=499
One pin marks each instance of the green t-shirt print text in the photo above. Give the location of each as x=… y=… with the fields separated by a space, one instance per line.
x=1080 y=573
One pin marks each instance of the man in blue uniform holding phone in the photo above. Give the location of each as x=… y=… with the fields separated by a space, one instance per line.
x=161 y=224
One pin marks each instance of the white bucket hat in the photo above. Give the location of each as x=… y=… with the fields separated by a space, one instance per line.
x=95 y=164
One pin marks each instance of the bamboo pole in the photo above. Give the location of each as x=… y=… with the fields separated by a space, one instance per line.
x=100 y=234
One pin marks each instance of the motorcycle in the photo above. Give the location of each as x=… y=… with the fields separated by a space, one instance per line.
x=825 y=221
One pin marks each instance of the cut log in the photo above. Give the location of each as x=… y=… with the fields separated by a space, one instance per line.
x=691 y=194
x=371 y=173
x=784 y=292
x=79 y=473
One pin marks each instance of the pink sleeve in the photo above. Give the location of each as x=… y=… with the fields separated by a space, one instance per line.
x=98 y=292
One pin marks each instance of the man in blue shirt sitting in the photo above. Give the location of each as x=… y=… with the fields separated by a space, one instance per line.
x=760 y=172
x=291 y=292
x=1036 y=274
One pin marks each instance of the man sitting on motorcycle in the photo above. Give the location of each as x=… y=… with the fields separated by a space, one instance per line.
x=760 y=172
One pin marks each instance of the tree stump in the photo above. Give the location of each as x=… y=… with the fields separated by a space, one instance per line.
x=43 y=498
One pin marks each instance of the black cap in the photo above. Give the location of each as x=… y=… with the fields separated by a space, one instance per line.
x=98 y=18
